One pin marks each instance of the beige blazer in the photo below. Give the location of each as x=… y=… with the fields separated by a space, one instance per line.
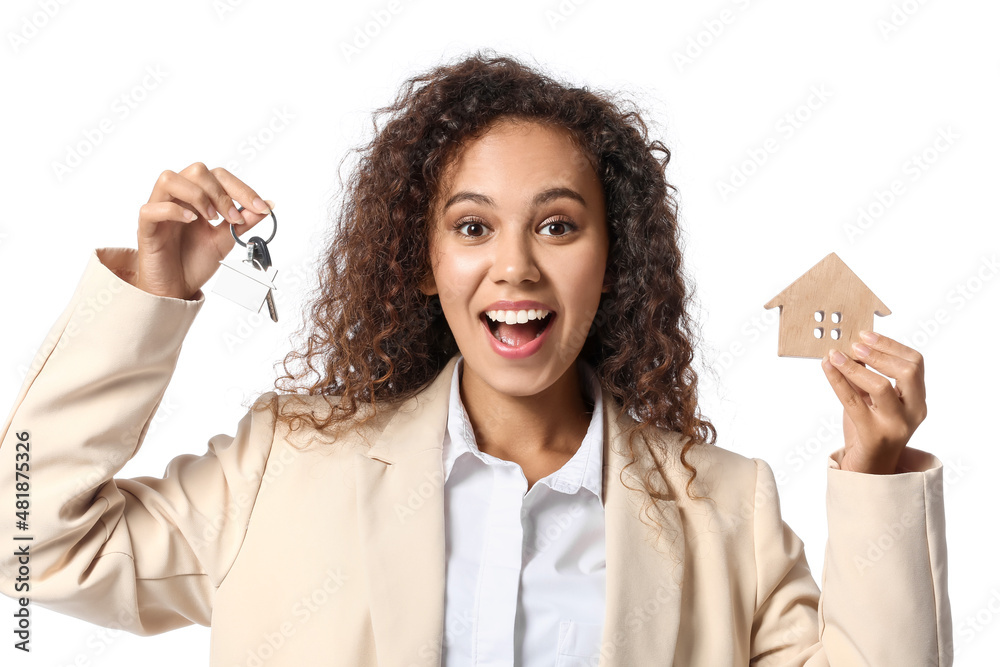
x=336 y=554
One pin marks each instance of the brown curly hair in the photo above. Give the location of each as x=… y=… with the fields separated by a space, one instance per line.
x=374 y=338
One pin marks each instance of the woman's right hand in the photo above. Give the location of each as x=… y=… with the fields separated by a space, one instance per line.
x=179 y=248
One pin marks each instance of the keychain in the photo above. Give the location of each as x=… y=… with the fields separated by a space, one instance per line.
x=250 y=281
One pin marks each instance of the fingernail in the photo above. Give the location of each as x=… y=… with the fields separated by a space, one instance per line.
x=837 y=358
x=212 y=213
x=234 y=216
x=190 y=215
x=270 y=204
x=862 y=350
x=869 y=337
x=260 y=205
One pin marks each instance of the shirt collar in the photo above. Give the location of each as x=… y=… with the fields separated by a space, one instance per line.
x=584 y=469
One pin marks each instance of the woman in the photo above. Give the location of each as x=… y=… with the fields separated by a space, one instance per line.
x=500 y=458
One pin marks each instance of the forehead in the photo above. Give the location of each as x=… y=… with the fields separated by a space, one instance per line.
x=507 y=132
x=518 y=151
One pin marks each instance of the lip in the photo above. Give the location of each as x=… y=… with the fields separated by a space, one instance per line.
x=517 y=305
x=524 y=351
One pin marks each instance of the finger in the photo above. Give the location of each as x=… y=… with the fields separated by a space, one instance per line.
x=202 y=177
x=174 y=187
x=254 y=218
x=223 y=235
x=907 y=374
x=861 y=392
x=241 y=192
x=852 y=401
x=883 y=343
x=151 y=214
x=883 y=394
x=902 y=363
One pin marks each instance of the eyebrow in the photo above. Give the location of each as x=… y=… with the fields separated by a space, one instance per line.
x=543 y=197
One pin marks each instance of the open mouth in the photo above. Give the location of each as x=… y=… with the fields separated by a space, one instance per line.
x=506 y=327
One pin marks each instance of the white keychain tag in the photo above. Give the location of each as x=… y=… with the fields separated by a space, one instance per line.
x=251 y=281
x=244 y=283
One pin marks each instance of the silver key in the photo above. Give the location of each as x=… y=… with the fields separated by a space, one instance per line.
x=269 y=300
x=258 y=255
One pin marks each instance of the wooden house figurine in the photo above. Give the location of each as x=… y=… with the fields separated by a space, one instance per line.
x=826 y=307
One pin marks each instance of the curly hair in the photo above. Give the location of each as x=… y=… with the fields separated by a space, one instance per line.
x=372 y=342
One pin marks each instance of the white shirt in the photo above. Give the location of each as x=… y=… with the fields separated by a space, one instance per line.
x=525 y=571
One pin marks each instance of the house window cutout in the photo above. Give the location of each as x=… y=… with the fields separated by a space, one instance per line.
x=818 y=315
x=818 y=332
x=836 y=318
x=835 y=334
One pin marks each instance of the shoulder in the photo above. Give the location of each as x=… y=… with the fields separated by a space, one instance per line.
x=306 y=421
x=733 y=482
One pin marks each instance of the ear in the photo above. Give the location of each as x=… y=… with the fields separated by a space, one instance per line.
x=427 y=285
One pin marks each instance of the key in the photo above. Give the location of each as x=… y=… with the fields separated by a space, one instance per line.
x=269 y=300
x=258 y=255
x=250 y=282
x=259 y=252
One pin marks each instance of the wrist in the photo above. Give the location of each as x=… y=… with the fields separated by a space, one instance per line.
x=157 y=291
x=884 y=466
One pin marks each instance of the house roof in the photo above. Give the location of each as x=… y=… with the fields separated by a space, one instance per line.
x=830 y=267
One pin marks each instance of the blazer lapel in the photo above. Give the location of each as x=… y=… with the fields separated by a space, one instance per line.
x=401 y=527
x=643 y=582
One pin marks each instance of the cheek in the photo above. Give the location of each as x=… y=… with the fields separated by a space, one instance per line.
x=457 y=278
x=585 y=273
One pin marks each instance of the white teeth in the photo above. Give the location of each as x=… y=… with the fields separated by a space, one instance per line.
x=516 y=316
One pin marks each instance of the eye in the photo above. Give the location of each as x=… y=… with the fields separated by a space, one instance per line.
x=474 y=222
x=560 y=222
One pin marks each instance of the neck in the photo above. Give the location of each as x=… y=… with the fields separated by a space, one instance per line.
x=551 y=422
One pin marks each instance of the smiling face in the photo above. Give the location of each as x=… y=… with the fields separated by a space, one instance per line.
x=520 y=217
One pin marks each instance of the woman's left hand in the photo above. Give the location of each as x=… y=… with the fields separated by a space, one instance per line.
x=879 y=418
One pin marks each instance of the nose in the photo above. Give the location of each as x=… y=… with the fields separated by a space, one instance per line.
x=514 y=260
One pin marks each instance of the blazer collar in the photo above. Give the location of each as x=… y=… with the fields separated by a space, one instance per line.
x=400 y=492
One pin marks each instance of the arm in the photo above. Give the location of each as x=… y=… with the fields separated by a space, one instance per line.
x=884 y=599
x=143 y=554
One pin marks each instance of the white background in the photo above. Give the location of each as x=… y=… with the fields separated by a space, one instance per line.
x=717 y=81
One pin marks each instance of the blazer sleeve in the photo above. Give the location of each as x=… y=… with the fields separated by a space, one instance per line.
x=143 y=554
x=884 y=598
